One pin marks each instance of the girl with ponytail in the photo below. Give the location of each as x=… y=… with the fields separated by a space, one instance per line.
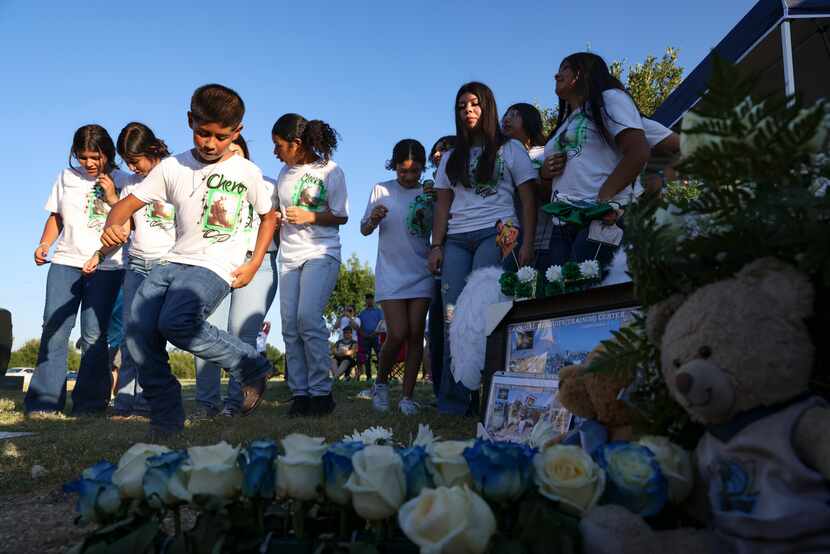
x=313 y=203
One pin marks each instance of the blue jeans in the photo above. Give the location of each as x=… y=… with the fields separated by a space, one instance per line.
x=569 y=243
x=368 y=345
x=172 y=304
x=304 y=293
x=67 y=290
x=436 y=337
x=463 y=253
x=242 y=314
x=128 y=396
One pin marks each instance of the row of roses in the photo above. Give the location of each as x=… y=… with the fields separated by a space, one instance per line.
x=439 y=489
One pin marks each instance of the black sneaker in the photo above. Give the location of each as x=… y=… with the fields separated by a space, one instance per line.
x=322 y=405
x=300 y=406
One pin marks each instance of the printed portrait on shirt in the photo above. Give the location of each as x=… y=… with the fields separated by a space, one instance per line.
x=97 y=207
x=310 y=194
x=571 y=141
x=487 y=188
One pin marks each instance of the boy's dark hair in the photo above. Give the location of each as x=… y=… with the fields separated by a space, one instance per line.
x=444 y=143
x=136 y=139
x=531 y=122
x=217 y=104
x=96 y=139
x=488 y=128
x=592 y=79
x=317 y=136
x=369 y=295
x=407 y=149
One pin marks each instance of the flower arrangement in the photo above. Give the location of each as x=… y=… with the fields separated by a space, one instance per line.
x=571 y=277
x=432 y=495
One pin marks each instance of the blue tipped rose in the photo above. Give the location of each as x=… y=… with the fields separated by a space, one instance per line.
x=258 y=473
x=418 y=476
x=165 y=481
x=337 y=468
x=501 y=471
x=634 y=477
x=98 y=499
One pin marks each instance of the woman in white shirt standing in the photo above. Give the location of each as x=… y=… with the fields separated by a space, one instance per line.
x=78 y=206
x=600 y=132
x=403 y=284
x=476 y=184
x=523 y=122
x=242 y=312
x=312 y=198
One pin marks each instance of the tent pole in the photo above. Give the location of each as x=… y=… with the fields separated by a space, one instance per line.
x=787 y=51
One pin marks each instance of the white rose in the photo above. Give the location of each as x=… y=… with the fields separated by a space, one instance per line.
x=214 y=471
x=450 y=467
x=542 y=435
x=448 y=520
x=377 y=482
x=676 y=465
x=567 y=474
x=129 y=476
x=300 y=470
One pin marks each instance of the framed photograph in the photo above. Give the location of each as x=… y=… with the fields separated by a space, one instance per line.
x=538 y=337
x=518 y=403
x=543 y=347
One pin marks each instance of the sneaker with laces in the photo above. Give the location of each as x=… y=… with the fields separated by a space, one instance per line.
x=408 y=407
x=380 y=397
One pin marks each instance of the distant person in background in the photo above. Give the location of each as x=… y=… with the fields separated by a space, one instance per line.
x=262 y=337
x=436 y=307
x=6 y=339
x=345 y=351
x=78 y=205
x=348 y=319
x=403 y=283
x=368 y=340
x=523 y=122
x=242 y=313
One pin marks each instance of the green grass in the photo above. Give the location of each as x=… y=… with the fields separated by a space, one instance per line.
x=65 y=445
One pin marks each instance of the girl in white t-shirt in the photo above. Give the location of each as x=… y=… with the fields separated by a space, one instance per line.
x=600 y=132
x=523 y=122
x=78 y=205
x=242 y=313
x=476 y=184
x=313 y=203
x=401 y=210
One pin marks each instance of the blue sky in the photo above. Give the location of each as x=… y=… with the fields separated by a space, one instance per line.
x=376 y=71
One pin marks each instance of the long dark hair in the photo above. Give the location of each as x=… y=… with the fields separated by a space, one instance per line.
x=592 y=79
x=136 y=139
x=488 y=128
x=444 y=143
x=317 y=136
x=531 y=122
x=96 y=139
x=407 y=149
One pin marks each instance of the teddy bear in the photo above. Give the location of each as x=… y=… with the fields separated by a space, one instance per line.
x=737 y=355
x=595 y=396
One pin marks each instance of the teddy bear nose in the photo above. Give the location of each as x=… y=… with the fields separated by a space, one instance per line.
x=684 y=382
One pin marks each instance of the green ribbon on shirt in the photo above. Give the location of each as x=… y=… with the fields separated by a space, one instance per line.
x=581 y=215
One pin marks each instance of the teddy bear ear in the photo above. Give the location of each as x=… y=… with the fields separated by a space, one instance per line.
x=781 y=281
x=658 y=316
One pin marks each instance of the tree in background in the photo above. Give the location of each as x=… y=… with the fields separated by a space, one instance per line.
x=355 y=280
x=649 y=83
x=26 y=356
x=276 y=358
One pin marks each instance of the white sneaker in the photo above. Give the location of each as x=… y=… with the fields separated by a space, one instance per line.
x=365 y=394
x=380 y=397
x=408 y=406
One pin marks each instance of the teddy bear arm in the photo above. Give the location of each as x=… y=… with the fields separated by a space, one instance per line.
x=812 y=439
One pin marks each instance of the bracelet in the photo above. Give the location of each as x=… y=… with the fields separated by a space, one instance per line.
x=100 y=256
x=46 y=244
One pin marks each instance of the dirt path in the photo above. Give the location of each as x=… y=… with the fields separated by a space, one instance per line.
x=38 y=522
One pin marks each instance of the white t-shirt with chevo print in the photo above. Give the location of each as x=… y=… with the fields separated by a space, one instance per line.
x=481 y=205
x=590 y=158
x=154 y=226
x=316 y=187
x=79 y=201
x=401 y=269
x=211 y=202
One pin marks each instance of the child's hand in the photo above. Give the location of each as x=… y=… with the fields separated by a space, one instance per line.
x=436 y=257
x=526 y=254
x=114 y=235
x=91 y=265
x=279 y=220
x=243 y=274
x=298 y=216
x=41 y=252
x=108 y=186
x=553 y=166
x=378 y=213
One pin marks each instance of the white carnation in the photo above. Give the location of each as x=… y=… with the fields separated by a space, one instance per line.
x=589 y=269
x=554 y=273
x=526 y=274
x=372 y=435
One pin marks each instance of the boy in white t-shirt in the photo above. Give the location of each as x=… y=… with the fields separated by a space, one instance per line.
x=210 y=189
